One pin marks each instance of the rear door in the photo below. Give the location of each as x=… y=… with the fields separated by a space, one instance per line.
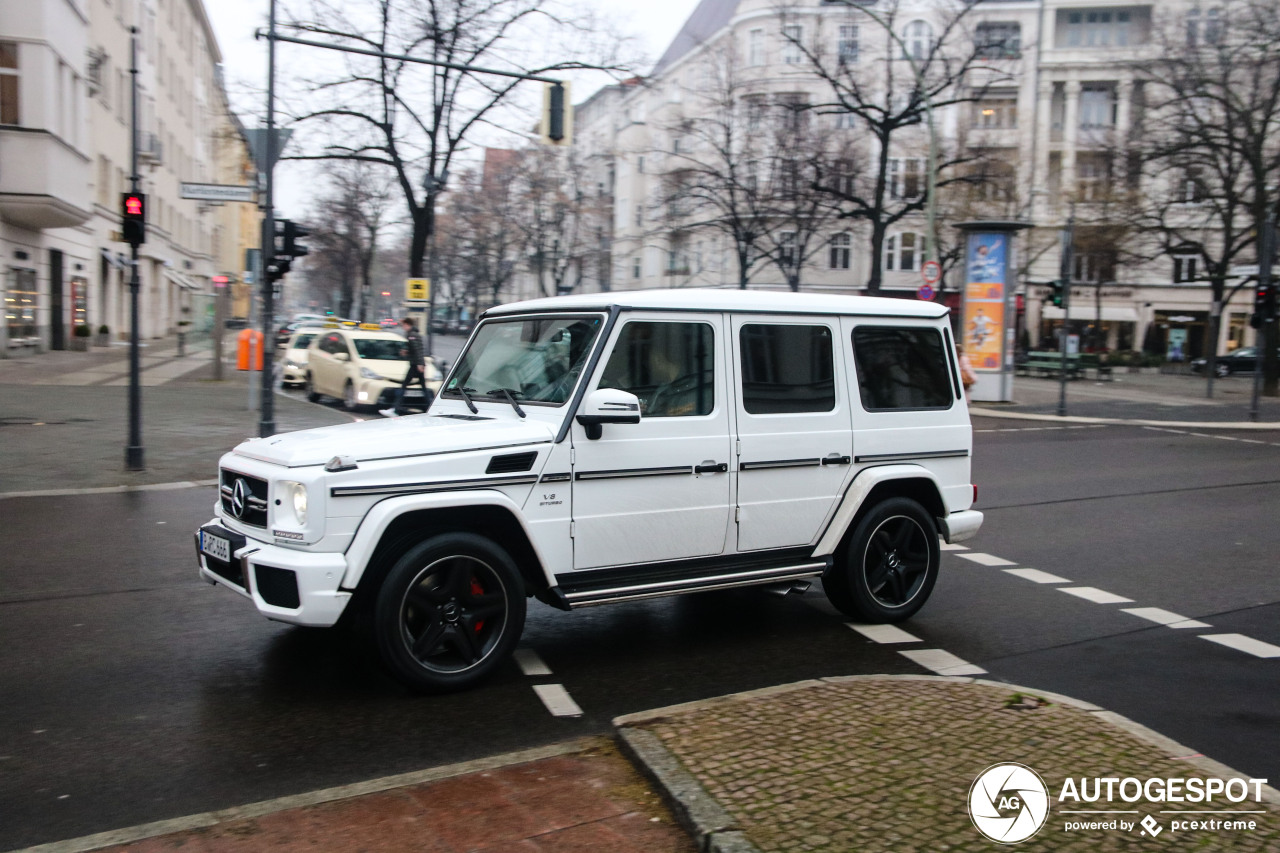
x=794 y=428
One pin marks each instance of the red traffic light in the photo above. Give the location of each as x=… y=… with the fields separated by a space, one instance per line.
x=133 y=205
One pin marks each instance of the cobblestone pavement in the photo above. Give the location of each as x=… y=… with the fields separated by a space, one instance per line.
x=886 y=765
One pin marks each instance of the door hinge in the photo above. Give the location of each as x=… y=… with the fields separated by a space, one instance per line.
x=573 y=455
x=573 y=529
x=739 y=448
x=737 y=514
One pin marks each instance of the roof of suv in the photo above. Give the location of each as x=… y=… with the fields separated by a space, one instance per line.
x=708 y=299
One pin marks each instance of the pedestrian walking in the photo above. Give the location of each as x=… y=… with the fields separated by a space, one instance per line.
x=967 y=376
x=417 y=371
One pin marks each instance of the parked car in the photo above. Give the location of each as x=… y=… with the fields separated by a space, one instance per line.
x=609 y=447
x=294 y=361
x=363 y=366
x=1242 y=360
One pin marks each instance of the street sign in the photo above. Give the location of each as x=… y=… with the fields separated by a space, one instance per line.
x=925 y=292
x=217 y=192
x=417 y=289
x=931 y=272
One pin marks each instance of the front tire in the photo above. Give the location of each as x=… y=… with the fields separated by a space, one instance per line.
x=449 y=612
x=349 y=397
x=889 y=567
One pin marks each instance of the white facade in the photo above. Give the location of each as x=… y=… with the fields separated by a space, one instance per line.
x=1061 y=90
x=66 y=162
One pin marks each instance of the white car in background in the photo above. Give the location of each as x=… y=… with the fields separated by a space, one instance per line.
x=294 y=361
x=363 y=366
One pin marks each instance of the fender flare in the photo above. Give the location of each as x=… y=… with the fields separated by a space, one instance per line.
x=854 y=497
x=382 y=514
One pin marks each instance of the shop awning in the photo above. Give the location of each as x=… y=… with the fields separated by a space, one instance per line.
x=119 y=262
x=181 y=280
x=1087 y=313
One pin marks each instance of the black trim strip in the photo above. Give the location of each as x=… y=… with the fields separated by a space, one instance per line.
x=422 y=488
x=634 y=472
x=555 y=478
x=902 y=457
x=780 y=463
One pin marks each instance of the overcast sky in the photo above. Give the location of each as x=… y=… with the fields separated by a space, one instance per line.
x=653 y=22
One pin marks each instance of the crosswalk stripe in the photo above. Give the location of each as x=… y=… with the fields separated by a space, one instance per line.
x=1241 y=643
x=557 y=700
x=1165 y=617
x=1092 y=593
x=942 y=662
x=1036 y=576
x=986 y=559
x=884 y=634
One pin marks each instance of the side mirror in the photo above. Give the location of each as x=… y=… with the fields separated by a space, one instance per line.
x=342 y=356
x=608 y=406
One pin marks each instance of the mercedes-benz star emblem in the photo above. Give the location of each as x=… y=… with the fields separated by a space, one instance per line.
x=239 y=498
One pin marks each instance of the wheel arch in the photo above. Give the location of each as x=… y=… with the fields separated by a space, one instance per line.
x=395 y=525
x=873 y=485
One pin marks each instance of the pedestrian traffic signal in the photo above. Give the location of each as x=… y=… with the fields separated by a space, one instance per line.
x=1059 y=293
x=133 y=218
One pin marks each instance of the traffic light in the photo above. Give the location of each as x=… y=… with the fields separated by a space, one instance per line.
x=557 y=115
x=1264 y=304
x=133 y=218
x=1059 y=293
x=286 y=247
x=292 y=233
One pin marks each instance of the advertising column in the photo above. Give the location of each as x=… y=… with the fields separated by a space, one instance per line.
x=987 y=317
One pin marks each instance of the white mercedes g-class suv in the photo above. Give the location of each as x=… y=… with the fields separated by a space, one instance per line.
x=610 y=447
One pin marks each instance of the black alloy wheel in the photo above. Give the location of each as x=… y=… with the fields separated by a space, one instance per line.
x=889 y=566
x=449 y=612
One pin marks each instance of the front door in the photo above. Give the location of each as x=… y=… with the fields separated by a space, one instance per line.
x=795 y=430
x=657 y=490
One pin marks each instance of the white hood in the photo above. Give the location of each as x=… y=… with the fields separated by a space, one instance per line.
x=415 y=435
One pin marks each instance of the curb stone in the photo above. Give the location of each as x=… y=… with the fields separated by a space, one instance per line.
x=979 y=412
x=713 y=828
x=710 y=826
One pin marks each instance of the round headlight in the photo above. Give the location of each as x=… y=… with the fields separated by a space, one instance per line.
x=300 y=503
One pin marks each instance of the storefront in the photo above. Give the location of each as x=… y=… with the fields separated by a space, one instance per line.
x=1111 y=327
x=20 y=303
x=1177 y=335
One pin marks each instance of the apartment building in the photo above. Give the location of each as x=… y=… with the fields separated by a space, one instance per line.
x=66 y=159
x=1054 y=89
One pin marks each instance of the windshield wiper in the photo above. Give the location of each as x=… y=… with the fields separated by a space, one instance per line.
x=463 y=391
x=507 y=392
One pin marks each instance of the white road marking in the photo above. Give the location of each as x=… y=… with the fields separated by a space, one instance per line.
x=530 y=663
x=1241 y=643
x=986 y=559
x=557 y=700
x=1164 y=617
x=1097 y=596
x=883 y=634
x=1036 y=576
x=947 y=546
x=942 y=662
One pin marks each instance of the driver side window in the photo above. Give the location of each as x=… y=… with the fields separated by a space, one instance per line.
x=669 y=366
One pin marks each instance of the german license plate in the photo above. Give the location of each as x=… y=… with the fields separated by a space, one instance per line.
x=215 y=546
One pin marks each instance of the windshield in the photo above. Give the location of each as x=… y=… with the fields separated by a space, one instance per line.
x=537 y=360
x=382 y=349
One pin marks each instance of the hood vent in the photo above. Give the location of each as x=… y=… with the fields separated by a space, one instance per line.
x=512 y=463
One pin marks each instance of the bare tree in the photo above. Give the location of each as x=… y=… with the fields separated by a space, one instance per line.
x=553 y=213
x=352 y=217
x=887 y=74
x=1210 y=146
x=483 y=234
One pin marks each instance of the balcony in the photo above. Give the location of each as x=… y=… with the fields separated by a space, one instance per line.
x=45 y=182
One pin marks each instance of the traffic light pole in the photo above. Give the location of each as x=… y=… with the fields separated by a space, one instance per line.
x=1266 y=252
x=267 y=422
x=134 y=459
x=1068 y=247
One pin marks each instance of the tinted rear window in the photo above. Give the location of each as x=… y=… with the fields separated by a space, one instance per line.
x=901 y=368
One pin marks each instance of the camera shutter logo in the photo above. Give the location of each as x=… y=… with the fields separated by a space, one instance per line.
x=239 y=498
x=1008 y=803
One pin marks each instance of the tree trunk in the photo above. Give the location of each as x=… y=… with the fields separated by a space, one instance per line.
x=877 y=258
x=418 y=244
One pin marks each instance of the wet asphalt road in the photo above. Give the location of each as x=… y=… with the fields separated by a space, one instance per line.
x=130 y=691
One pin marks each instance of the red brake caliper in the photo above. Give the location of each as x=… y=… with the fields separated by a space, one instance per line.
x=477 y=589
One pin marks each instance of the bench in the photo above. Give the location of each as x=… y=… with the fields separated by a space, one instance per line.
x=1049 y=364
x=1097 y=362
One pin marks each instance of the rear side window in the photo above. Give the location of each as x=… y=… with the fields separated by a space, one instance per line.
x=901 y=368
x=669 y=366
x=787 y=369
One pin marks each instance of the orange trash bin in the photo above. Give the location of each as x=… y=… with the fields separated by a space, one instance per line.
x=249 y=350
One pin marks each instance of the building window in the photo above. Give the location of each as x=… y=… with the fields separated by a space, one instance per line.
x=640 y=165
x=847 y=44
x=787 y=249
x=1093 y=177
x=1184 y=267
x=903 y=252
x=1203 y=28
x=635 y=267
x=843 y=174
x=756 y=110
x=1191 y=188
x=1098 y=28
x=841 y=248
x=996 y=110
x=8 y=82
x=904 y=177
x=998 y=40
x=919 y=39
x=792 y=38
x=844 y=121
x=639 y=215
x=755 y=47
x=1097 y=105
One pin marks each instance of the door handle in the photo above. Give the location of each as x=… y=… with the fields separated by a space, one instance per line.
x=836 y=459
x=711 y=467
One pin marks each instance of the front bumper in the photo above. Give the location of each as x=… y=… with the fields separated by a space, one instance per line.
x=292 y=375
x=284 y=584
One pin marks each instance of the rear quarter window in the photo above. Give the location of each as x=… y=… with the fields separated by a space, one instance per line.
x=901 y=368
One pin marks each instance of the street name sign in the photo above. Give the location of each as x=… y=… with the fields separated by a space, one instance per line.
x=217 y=192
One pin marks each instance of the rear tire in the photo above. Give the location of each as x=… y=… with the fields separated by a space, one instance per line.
x=312 y=396
x=889 y=567
x=449 y=612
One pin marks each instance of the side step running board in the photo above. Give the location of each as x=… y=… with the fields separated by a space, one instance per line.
x=702 y=583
